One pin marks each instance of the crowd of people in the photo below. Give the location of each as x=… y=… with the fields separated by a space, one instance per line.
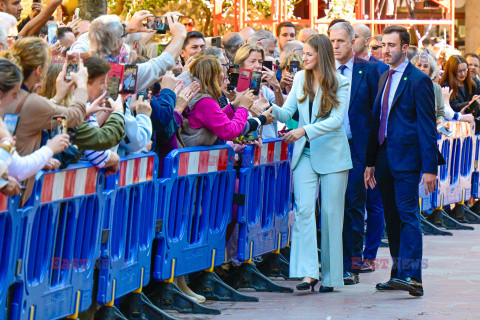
x=360 y=109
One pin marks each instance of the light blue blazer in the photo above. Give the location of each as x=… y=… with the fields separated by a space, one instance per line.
x=329 y=149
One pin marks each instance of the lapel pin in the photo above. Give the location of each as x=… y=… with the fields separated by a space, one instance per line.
x=360 y=72
x=405 y=78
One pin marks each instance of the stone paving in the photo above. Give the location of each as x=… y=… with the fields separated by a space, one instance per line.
x=451 y=283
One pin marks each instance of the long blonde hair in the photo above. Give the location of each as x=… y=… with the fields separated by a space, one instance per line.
x=327 y=76
x=207 y=69
x=29 y=53
x=49 y=88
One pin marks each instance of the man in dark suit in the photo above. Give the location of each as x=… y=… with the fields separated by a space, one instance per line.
x=363 y=77
x=374 y=221
x=402 y=145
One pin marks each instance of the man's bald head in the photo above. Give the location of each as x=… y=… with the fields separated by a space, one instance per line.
x=305 y=34
x=290 y=47
x=363 y=36
x=246 y=33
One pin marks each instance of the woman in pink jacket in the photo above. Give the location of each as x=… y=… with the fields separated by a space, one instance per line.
x=204 y=121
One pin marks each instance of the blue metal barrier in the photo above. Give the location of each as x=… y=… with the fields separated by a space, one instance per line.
x=10 y=228
x=61 y=244
x=130 y=214
x=198 y=188
x=265 y=179
x=476 y=173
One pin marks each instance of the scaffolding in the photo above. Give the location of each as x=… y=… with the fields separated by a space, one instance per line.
x=279 y=14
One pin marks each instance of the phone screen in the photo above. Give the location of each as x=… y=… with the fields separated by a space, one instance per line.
x=130 y=79
x=52 y=33
x=11 y=121
x=112 y=88
x=268 y=64
x=233 y=77
x=59 y=125
x=294 y=66
x=255 y=82
x=72 y=66
x=159 y=24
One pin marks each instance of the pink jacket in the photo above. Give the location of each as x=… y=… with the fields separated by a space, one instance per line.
x=224 y=123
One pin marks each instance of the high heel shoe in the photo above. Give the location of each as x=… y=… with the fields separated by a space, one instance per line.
x=306 y=285
x=324 y=289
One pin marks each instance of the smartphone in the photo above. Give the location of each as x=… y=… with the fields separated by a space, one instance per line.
x=255 y=82
x=268 y=64
x=59 y=125
x=217 y=42
x=159 y=24
x=294 y=66
x=52 y=34
x=72 y=66
x=251 y=136
x=130 y=79
x=11 y=121
x=445 y=131
x=233 y=77
x=112 y=89
x=143 y=94
x=244 y=78
x=77 y=12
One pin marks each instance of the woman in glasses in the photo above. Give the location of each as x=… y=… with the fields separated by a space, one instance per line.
x=465 y=89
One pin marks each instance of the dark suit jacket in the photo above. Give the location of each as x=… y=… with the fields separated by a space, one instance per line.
x=382 y=66
x=365 y=77
x=411 y=133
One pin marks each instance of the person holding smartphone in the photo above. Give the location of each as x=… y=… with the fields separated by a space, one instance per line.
x=321 y=155
x=251 y=57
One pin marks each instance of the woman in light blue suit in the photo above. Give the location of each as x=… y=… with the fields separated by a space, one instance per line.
x=321 y=153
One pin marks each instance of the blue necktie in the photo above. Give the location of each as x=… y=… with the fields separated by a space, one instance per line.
x=342 y=69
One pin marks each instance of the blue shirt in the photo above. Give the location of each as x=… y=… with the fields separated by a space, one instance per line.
x=347 y=72
x=396 y=77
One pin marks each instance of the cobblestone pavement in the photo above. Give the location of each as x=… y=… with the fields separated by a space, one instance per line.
x=451 y=283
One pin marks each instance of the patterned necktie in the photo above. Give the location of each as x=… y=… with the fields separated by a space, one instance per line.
x=342 y=69
x=383 y=119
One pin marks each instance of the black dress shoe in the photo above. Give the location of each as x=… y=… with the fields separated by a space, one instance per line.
x=384 y=286
x=411 y=285
x=307 y=285
x=368 y=265
x=324 y=289
x=350 y=278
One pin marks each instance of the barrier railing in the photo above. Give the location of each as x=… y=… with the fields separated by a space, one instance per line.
x=132 y=226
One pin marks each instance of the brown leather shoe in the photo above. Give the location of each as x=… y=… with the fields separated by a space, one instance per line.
x=411 y=285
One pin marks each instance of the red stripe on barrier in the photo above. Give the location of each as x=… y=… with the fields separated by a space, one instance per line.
x=123 y=173
x=223 y=160
x=47 y=187
x=91 y=180
x=271 y=152
x=3 y=202
x=284 y=153
x=183 y=165
x=150 y=163
x=69 y=185
x=136 y=170
x=257 y=156
x=203 y=161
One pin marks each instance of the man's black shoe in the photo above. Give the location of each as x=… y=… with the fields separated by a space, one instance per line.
x=411 y=285
x=350 y=278
x=384 y=286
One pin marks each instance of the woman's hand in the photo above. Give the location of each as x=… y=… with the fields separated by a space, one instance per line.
x=244 y=99
x=468 y=118
x=185 y=96
x=270 y=77
x=144 y=107
x=98 y=105
x=286 y=82
x=294 y=135
x=136 y=23
x=117 y=106
x=169 y=81
x=59 y=143
x=269 y=115
x=259 y=105
x=63 y=86
x=52 y=164
x=80 y=77
x=186 y=67
x=12 y=188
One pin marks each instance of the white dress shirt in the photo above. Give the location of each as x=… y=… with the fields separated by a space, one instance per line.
x=396 y=77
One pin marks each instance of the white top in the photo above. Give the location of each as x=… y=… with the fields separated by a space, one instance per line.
x=25 y=167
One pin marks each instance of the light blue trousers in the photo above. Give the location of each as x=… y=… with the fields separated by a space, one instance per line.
x=304 y=254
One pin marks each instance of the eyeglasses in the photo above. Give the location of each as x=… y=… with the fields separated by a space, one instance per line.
x=462 y=71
